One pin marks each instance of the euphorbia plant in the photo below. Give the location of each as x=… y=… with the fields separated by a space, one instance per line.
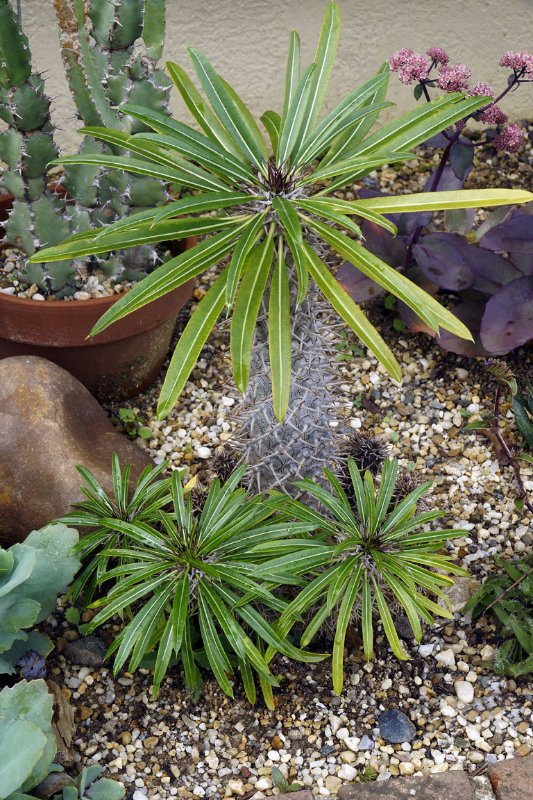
x=277 y=217
x=488 y=267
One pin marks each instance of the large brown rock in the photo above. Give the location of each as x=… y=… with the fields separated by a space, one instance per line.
x=49 y=423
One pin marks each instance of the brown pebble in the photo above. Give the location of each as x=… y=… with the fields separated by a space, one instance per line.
x=84 y=712
x=150 y=742
x=125 y=737
x=277 y=744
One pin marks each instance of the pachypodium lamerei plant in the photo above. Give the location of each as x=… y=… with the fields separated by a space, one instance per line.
x=488 y=267
x=104 y=67
x=380 y=556
x=276 y=219
x=28 y=748
x=32 y=574
x=198 y=579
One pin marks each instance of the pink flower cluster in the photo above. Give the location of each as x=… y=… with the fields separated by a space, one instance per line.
x=493 y=113
x=410 y=66
x=510 y=138
x=519 y=60
x=438 y=55
x=454 y=78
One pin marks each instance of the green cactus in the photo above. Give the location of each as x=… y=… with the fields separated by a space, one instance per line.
x=38 y=215
x=104 y=71
x=31 y=576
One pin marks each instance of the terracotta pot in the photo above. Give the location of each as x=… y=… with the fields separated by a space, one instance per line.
x=119 y=363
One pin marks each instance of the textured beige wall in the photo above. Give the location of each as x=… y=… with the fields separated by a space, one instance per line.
x=247 y=41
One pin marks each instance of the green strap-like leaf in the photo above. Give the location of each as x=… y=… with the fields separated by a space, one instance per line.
x=240 y=253
x=174 y=629
x=344 y=172
x=293 y=233
x=232 y=630
x=439 y=201
x=343 y=620
x=247 y=303
x=191 y=143
x=333 y=216
x=193 y=679
x=367 y=626
x=246 y=136
x=279 y=335
x=351 y=313
x=293 y=121
x=182 y=172
x=317 y=204
x=344 y=116
x=147 y=234
x=427 y=308
x=324 y=60
x=216 y=656
x=248 y=681
x=350 y=138
x=421 y=124
x=196 y=204
x=190 y=343
x=169 y=276
x=272 y=122
x=292 y=72
x=203 y=115
x=388 y=624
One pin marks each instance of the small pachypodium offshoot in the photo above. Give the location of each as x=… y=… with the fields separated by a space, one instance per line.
x=277 y=217
x=380 y=555
x=196 y=571
x=488 y=267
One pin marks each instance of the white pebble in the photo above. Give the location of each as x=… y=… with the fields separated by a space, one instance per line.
x=203 y=452
x=446 y=658
x=347 y=772
x=464 y=691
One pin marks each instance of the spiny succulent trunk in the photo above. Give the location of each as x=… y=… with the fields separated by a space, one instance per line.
x=308 y=439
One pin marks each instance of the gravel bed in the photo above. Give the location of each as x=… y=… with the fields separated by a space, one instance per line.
x=465 y=716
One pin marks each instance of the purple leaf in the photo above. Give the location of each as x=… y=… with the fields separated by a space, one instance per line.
x=461 y=160
x=513 y=235
x=358 y=286
x=523 y=262
x=440 y=257
x=470 y=313
x=383 y=244
x=508 y=319
x=412 y=320
x=491 y=271
x=447 y=182
x=459 y=220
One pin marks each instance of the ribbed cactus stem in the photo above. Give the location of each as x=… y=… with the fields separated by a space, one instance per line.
x=309 y=437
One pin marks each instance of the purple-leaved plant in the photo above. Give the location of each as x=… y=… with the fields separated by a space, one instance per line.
x=488 y=269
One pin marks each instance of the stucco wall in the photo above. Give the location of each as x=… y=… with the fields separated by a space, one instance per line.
x=247 y=41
